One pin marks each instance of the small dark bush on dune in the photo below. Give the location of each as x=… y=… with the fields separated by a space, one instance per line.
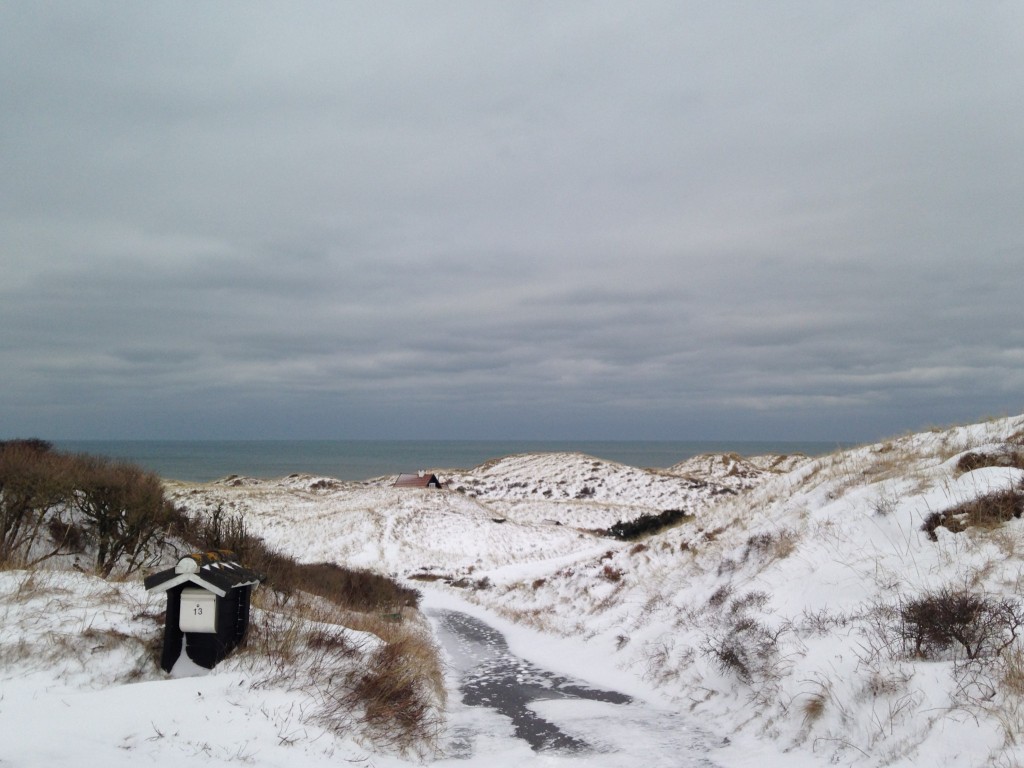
x=645 y=525
x=981 y=459
x=988 y=511
x=741 y=644
x=960 y=621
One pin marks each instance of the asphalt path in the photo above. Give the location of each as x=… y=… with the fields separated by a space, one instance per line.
x=488 y=675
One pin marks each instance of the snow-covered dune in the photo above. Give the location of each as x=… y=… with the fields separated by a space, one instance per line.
x=787 y=613
x=774 y=612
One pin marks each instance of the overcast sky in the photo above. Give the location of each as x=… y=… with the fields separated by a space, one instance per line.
x=643 y=220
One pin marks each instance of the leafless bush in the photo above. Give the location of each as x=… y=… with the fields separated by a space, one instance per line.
x=53 y=504
x=34 y=484
x=768 y=545
x=822 y=622
x=720 y=596
x=753 y=600
x=883 y=506
x=740 y=644
x=744 y=647
x=957 y=621
x=122 y=510
x=611 y=573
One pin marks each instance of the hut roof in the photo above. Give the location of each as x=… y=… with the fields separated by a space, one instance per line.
x=417 y=480
x=217 y=571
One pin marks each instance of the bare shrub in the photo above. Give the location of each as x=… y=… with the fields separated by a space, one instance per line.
x=34 y=483
x=822 y=622
x=52 y=503
x=749 y=601
x=744 y=647
x=611 y=573
x=768 y=546
x=720 y=596
x=714 y=533
x=740 y=644
x=122 y=510
x=955 y=621
x=883 y=506
x=220 y=529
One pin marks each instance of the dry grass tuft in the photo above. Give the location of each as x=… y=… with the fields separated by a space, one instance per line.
x=377 y=677
x=813 y=707
x=978 y=460
x=398 y=696
x=1012 y=677
x=987 y=512
x=768 y=546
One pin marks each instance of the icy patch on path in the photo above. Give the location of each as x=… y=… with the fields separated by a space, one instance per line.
x=558 y=717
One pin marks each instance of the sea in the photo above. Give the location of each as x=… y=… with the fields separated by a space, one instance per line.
x=206 y=460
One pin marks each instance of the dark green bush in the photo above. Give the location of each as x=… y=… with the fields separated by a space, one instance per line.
x=645 y=525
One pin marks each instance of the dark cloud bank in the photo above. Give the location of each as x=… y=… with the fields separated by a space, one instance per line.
x=504 y=220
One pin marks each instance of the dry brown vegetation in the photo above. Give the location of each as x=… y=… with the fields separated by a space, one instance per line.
x=351 y=639
x=394 y=697
x=371 y=676
x=960 y=621
x=54 y=504
x=980 y=459
x=986 y=512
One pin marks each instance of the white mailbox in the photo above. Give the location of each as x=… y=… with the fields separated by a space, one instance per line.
x=198 y=611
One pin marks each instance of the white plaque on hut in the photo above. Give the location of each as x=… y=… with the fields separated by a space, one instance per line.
x=198 y=611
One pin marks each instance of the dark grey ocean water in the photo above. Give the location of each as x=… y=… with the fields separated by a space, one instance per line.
x=205 y=460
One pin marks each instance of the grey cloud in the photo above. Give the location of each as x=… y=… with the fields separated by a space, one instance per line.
x=667 y=220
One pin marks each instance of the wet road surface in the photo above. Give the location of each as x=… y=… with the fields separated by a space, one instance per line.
x=579 y=719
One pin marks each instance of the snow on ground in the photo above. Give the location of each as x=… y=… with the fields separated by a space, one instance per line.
x=775 y=614
x=514 y=511
x=79 y=684
x=770 y=619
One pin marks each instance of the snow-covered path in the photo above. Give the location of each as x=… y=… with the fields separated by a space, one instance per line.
x=505 y=709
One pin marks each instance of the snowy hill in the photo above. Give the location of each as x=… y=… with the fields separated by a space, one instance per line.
x=780 y=613
x=855 y=609
x=515 y=511
x=735 y=472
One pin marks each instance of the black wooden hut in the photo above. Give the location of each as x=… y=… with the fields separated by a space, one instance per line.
x=207 y=606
